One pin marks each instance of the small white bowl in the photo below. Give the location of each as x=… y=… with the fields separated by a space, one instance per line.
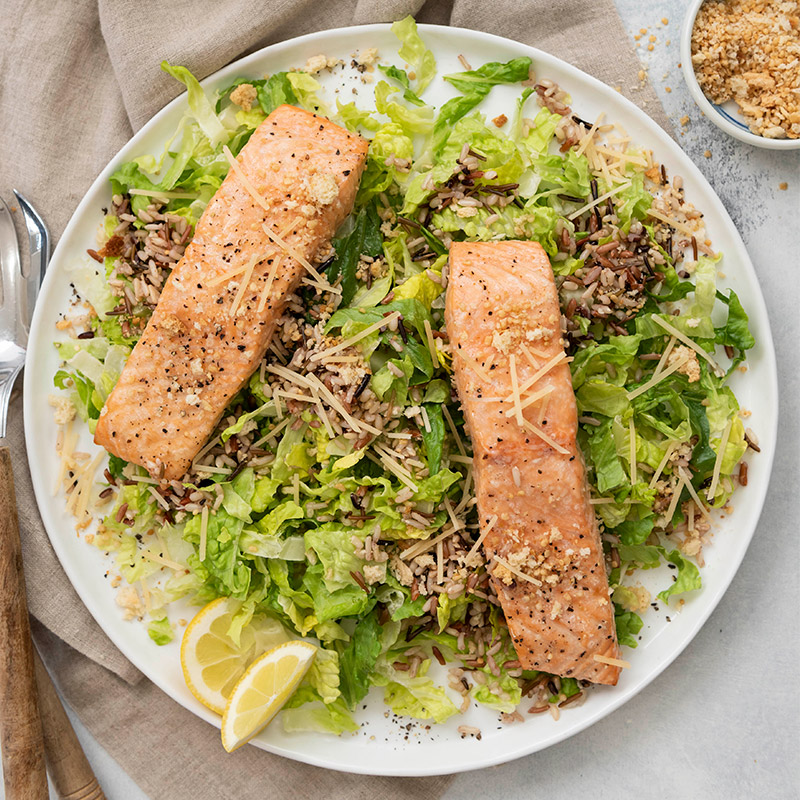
x=725 y=117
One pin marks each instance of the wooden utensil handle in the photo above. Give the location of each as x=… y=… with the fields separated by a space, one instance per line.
x=21 y=737
x=69 y=770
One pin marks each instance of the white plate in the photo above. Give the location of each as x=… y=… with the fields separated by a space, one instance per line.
x=381 y=747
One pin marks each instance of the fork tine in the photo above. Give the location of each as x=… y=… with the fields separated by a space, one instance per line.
x=38 y=237
x=9 y=264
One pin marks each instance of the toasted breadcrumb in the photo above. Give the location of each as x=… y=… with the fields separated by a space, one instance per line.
x=749 y=51
x=244 y=95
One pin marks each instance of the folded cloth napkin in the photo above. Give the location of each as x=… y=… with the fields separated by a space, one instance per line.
x=78 y=79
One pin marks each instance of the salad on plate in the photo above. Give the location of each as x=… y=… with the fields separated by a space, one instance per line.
x=347 y=516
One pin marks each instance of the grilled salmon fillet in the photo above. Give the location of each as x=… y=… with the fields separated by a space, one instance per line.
x=297 y=177
x=543 y=546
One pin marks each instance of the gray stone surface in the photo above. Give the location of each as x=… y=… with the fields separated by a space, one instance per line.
x=722 y=721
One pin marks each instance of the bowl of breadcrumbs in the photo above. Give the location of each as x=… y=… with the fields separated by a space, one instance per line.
x=741 y=61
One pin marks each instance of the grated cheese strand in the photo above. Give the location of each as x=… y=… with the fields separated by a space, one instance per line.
x=676 y=495
x=474 y=366
x=723 y=443
x=298 y=257
x=544 y=437
x=700 y=505
x=656 y=379
x=201 y=552
x=663 y=463
x=326 y=420
x=457 y=524
x=243 y=286
x=610 y=193
x=512 y=366
x=357 y=337
x=425 y=545
x=531 y=399
x=539 y=374
x=590 y=133
x=632 y=454
x=394 y=468
x=484 y=533
x=158 y=498
x=612 y=662
x=430 y=342
x=518 y=573
x=165 y=562
x=265 y=292
x=452 y=425
x=674 y=223
x=662 y=362
x=689 y=343
x=274 y=431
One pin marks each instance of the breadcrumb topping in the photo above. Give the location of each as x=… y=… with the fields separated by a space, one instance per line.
x=749 y=51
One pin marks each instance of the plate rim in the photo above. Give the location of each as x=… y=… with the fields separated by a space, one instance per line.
x=661 y=140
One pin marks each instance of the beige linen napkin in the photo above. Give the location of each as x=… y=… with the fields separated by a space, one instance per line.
x=78 y=78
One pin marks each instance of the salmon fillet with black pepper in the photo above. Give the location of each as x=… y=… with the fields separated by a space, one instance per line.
x=543 y=547
x=296 y=179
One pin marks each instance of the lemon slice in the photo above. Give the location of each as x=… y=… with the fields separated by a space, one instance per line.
x=262 y=691
x=212 y=662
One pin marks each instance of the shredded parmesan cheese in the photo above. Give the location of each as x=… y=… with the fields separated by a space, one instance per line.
x=484 y=533
x=723 y=443
x=296 y=488
x=512 y=365
x=356 y=337
x=590 y=133
x=158 y=498
x=632 y=435
x=610 y=193
x=273 y=432
x=515 y=571
x=431 y=343
x=663 y=463
x=452 y=425
x=676 y=495
x=688 y=481
x=531 y=399
x=662 y=362
x=394 y=467
x=539 y=374
x=689 y=343
x=474 y=366
x=679 y=226
x=544 y=437
x=612 y=662
x=203 y=533
x=427 y=544
x=165 y=562
x=265 y=292
x=656 y=379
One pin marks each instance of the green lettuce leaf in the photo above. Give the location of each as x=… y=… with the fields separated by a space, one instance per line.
x=199 y=105
x=357 y=660
x=414 y=51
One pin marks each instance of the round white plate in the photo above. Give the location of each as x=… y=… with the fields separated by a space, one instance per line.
x=382 y=746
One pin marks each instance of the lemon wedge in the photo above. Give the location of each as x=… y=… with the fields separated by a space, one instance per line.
x=263 y=689
x=212 y=662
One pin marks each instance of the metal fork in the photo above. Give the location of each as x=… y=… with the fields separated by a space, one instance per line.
x=33 y=723
x=18 y=292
